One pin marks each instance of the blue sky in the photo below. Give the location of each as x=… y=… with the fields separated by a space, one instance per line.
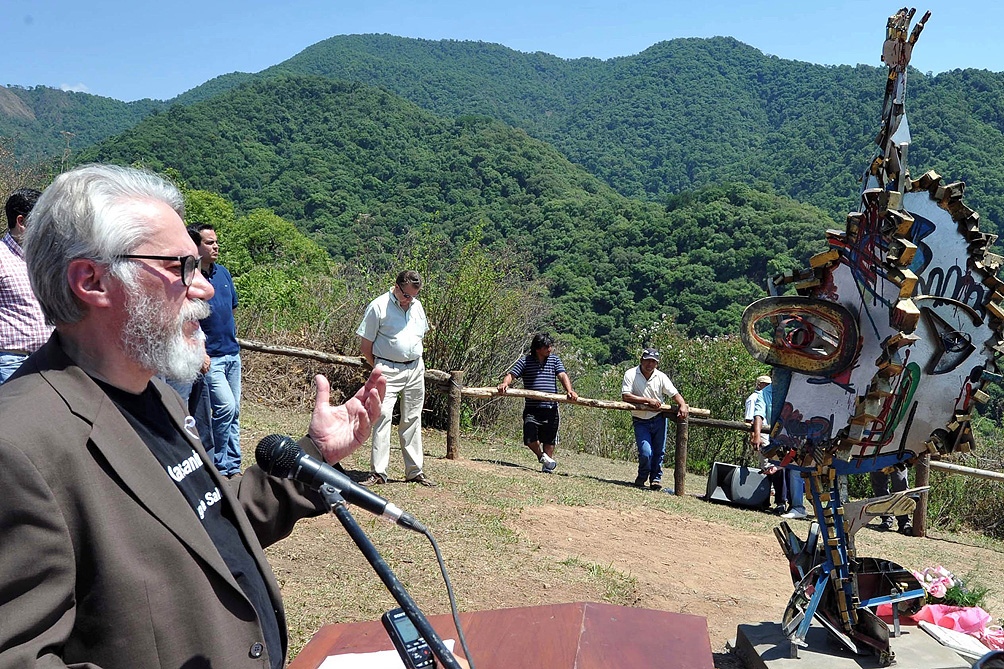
x=136 y=49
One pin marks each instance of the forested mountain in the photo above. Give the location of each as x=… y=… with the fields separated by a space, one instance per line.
x=36 y=118
x=682 y=114
x=362 y=170
x=344 y=156
x=692 y=112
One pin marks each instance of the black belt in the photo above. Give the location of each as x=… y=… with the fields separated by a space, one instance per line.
x=396 y=362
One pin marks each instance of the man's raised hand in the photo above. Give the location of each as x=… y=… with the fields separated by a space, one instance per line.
x=339 y=430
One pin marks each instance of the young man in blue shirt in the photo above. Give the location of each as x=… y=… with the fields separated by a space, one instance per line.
x=223 y=380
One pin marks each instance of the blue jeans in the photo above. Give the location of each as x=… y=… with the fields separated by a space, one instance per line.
x=182 y=388
x=650 y=436
x=9 y=362
x=201 y=410
x=796 y=489
x=223 y=383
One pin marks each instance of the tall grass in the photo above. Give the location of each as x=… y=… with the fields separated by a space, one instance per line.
x=480 y=305
x=961 y=501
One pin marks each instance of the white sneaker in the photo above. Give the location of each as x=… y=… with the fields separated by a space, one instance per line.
x=547 y=463
x=793 y=514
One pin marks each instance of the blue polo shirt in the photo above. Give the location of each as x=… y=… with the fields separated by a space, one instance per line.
x=221 y=332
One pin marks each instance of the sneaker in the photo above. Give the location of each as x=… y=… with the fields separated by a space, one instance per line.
x=655 y=486
x=373 y=479
x=778 y=509
x=422 y=479
x=639 y=482
x=905 y=528
x=885 y=526
x=794 y=514
x=547 y=463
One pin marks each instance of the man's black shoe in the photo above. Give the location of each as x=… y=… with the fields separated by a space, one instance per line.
x=422 y=479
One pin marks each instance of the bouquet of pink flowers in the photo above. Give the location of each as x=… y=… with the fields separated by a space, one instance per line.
x=936 y=582
x=951 y=603
x=944 y=587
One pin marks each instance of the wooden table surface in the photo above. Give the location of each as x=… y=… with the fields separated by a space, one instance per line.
x=581 y=635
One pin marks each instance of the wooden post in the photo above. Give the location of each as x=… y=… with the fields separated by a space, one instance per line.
x=455 y=397
x=680 y=469
x=922 y=478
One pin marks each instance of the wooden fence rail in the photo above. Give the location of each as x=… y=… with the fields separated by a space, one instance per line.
x=451 y=384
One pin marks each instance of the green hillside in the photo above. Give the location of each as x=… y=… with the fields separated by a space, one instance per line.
x=682 y=114
x=365 y=172
x=692 y=112
x=36 y=118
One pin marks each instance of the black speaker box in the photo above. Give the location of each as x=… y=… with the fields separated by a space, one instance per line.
x=737 y=485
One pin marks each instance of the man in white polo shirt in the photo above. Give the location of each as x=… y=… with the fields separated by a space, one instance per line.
x=392 y=331
x=646 y=385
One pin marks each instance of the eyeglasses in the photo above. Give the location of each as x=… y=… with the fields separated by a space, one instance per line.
x=406 y=295
x=189 y=264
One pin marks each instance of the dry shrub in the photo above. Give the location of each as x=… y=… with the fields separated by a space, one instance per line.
x=480 y=311
x=17 y=172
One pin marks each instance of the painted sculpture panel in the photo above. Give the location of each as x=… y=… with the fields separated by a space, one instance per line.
x=880 y=350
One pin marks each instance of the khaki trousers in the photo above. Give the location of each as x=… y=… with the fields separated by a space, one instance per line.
x=407 y=382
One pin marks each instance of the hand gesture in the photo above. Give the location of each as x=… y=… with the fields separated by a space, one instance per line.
x=339 y=430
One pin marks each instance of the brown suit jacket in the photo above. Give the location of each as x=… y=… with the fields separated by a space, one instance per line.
x=102 y=561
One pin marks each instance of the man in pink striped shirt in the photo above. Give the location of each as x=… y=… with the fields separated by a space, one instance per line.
x=22 y=325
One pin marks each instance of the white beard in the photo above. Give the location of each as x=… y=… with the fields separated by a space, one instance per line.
x=159 y=345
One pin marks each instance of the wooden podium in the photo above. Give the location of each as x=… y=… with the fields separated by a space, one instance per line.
x=583 y=635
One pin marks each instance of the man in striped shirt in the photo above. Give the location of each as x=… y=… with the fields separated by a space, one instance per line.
x=540 y=370
x=22 y=324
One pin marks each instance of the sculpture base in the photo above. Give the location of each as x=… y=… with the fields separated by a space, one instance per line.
x=764 y=646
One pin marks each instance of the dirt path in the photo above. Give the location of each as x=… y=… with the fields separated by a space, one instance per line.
x=514 y=537
x=681 y=564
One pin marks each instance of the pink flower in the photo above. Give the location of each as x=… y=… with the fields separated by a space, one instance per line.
x=944 y=573
x=939 y=586
x=936 y=581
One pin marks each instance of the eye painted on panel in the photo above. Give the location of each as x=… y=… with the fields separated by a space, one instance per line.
x=947 y=328
x=800 y=333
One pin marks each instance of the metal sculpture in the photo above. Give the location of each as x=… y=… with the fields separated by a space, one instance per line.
x=877 y=360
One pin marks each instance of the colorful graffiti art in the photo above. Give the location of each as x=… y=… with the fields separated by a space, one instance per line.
x=878 y=358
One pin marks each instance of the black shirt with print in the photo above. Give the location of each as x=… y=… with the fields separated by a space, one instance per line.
x=148 y=416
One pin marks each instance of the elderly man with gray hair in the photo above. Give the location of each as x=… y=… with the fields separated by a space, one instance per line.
x=123 y=547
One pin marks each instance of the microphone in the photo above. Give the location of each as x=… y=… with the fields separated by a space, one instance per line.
x=282 y=457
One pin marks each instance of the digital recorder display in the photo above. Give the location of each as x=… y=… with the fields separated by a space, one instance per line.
x=407 y=629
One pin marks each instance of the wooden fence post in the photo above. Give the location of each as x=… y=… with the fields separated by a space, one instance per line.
x=453 y=404
x=680 y=469
x=922 y=478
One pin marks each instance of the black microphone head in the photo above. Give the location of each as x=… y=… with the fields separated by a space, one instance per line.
x=277 y=454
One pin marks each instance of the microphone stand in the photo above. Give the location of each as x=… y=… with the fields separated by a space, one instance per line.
x=339 y=507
